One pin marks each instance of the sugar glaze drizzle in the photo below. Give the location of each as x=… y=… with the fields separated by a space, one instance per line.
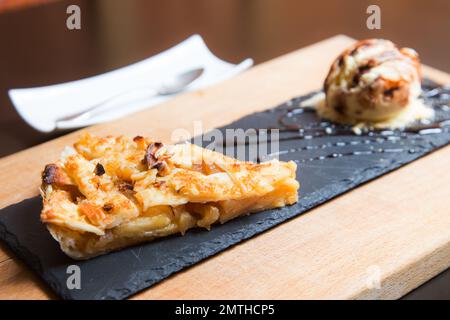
x=438 y=97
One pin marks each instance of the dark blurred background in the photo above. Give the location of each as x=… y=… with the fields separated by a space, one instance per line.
x=37 y=48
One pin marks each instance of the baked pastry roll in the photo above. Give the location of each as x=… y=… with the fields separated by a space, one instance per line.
x=108 y=193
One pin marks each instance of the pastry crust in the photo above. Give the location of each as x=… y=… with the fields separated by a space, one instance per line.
x=108 y=193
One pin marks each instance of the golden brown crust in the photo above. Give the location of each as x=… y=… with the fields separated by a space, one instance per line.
x=111 y=192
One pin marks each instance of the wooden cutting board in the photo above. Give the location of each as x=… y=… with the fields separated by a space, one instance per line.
x=380 y=240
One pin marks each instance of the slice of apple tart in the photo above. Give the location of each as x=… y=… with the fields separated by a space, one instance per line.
x=108 y=193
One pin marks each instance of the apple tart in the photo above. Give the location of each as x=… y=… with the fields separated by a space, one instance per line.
x=107 y=193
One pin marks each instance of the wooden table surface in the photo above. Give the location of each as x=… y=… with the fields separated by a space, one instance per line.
x=396 y=228
x=39 y=50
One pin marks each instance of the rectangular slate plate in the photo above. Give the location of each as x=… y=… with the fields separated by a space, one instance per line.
x=331 y=161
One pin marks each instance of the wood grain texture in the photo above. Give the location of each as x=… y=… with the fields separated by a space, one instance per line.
x=396 y=227
x=4 y=252
x=17 y=282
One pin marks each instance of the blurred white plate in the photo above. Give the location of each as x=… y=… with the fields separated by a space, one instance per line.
x=41 y=106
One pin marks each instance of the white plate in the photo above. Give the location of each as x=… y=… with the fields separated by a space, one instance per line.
x=41 y=106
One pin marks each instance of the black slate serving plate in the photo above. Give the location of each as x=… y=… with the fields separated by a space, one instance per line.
x=331 y=161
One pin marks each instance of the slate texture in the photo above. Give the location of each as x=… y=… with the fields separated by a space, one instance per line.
x=329 y=165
